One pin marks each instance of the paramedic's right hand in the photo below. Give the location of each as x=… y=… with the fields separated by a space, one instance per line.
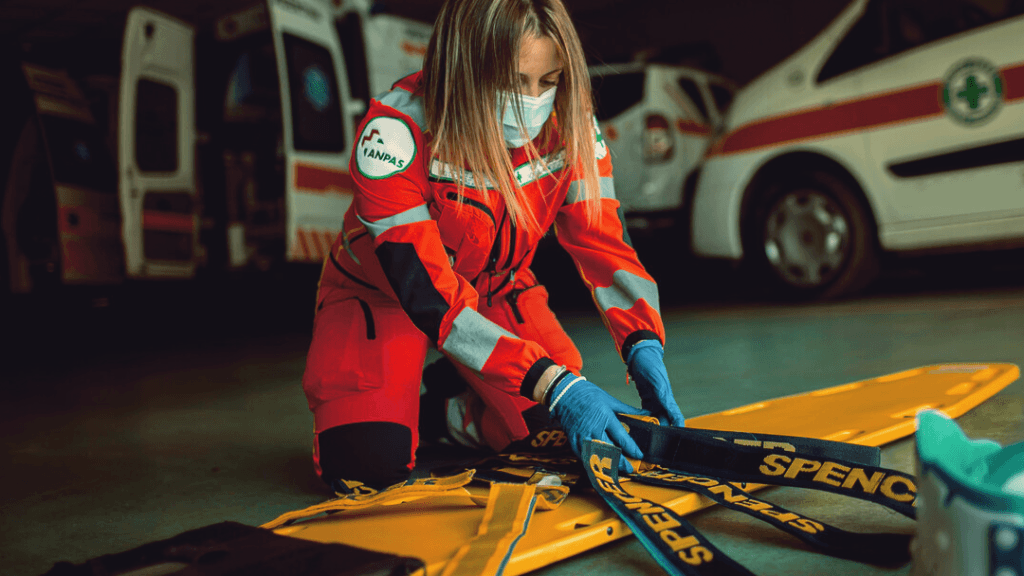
x=587 y=412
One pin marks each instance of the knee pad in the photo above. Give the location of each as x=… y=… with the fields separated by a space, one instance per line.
x=378 y=454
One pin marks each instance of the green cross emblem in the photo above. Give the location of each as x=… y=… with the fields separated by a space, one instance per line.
x=972 y=91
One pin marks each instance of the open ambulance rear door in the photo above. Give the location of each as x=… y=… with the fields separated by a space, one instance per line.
x=379 y=48
x=157 y=146
x=318 y=125
x=60 y=221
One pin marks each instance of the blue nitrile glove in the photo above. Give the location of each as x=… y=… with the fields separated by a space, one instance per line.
x=646 y=364
x=588 y=412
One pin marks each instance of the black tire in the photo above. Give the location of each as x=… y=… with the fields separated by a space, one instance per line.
x=810 y=236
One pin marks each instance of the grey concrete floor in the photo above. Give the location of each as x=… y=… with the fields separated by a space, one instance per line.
x=138 y=431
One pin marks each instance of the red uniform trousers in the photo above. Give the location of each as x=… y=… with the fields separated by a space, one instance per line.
x=365 y=364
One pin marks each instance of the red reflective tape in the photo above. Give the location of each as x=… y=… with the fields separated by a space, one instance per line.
x=318 y=246
x=311 y=178
x=301 y=234
x=168 y=221
x=328 y=239
x=693 y=128
x=414 y=49
x=1013 y=76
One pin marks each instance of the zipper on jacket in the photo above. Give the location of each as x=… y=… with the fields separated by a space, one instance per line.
x=513 y=301
x=492 y=264
x=511 y=242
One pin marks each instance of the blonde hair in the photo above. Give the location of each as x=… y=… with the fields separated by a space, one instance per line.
x=472 y=57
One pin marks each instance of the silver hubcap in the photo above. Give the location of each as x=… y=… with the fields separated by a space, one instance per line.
x=806 y=236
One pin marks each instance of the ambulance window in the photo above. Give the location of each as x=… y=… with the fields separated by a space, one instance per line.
x=616 y=93
x=889 y=27
x=693 y=91
x=350 y=33
x=156 y=127
x=722 y=95
x=909 y=29
x=316 y=112
x=252 y=92
x=78 y=154
x=866 y=42
x=919 y=22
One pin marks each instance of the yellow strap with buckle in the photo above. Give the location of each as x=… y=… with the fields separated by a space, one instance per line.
x=509 y=509
x=404 y=492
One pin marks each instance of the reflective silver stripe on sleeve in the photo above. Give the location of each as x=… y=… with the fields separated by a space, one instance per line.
x=446 y=172
x=626 y=289
x=473 y=339
x=576 y=190
x=406 y=103
x=415 y=214
x=525 y=173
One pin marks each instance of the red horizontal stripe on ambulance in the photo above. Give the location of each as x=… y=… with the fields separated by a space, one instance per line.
x=414 y=49
x=1014 y=78
x=690 y=127
x=912 y=104
x=872 y=112
x=319 y=179
x=168 y=221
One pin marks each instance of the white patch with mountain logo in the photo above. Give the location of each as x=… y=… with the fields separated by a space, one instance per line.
x=385 y=148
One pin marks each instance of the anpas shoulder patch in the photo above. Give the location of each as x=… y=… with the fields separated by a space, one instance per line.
x=385 y=148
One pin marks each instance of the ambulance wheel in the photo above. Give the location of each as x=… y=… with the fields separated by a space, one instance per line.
x=811 y=237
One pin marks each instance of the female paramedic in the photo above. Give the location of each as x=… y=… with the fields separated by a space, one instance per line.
x=459 y=170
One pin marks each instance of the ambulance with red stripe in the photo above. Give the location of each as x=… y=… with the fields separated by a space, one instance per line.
x=899 y=128
x=226 y=138
x=659 y=120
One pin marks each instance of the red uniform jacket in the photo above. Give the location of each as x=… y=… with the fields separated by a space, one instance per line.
x=407 y=235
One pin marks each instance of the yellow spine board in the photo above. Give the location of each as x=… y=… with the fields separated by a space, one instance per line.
x=871 y=413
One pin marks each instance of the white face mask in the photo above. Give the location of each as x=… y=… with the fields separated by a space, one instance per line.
x=535 y=109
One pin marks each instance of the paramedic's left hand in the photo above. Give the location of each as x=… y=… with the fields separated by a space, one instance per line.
x=587 y=413
x=646 y=365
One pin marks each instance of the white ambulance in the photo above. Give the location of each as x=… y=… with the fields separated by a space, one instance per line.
x=899 y=128
x=659 y=120
x=230 y=134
